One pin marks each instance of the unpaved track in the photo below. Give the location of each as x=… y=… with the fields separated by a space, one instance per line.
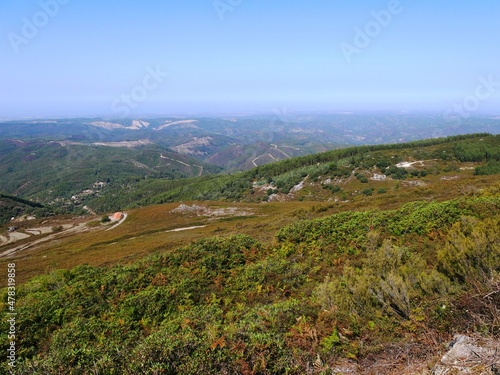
x=187 y=228
x=17 y=236
x=82 y=227
x=125 y=215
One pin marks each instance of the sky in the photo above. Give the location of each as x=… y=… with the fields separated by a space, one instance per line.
x=130 y=57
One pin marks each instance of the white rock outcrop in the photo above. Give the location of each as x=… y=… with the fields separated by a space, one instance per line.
x=470 y=356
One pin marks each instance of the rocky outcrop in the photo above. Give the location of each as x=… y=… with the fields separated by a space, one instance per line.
x=470 y=356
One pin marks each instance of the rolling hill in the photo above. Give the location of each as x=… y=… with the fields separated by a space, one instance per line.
x=243 y=141
x=361 y=260
x=12 y=206
x=333 y=175
x=61 y=174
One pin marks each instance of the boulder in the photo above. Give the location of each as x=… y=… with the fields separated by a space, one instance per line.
x=468 y=355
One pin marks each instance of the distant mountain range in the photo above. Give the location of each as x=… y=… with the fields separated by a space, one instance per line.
x=112 y=163
x=243 y=142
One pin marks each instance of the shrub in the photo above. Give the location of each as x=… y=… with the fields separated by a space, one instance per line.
x=392 y=280
x=491 y=168
x=368 y=191
x=362 y=178
x=472 y=250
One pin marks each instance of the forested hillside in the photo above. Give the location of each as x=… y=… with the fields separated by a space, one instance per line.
x=328 y=172
x=66 y=177
x=244 y=141
x=77 y=177
x=11 y=206
x=61 y=175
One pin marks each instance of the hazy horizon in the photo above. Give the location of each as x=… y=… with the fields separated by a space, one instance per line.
x=278 y=112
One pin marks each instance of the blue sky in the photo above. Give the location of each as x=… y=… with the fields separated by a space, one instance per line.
x=94 y=57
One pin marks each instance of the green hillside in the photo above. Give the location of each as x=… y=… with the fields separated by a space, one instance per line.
x=243 y=141
x=53 y=172
x=11 y=206
x=362 y=260
x=444 y=155
x=348 y=286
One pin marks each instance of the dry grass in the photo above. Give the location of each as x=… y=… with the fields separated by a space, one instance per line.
x=146 y=230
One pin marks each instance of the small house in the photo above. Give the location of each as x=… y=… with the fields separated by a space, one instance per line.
x=117 y=216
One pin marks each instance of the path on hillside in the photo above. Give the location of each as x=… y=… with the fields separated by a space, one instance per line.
x=187 y=228
x=280 y=150
x=82 y=227
x=122 y=220
x=201 y=169
x=177 y=161
x=79 y=228
x=261 y=156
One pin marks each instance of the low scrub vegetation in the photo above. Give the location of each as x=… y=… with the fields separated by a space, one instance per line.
x=323 y=290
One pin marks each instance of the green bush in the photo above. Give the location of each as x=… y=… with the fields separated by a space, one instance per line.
x=491 y=168
x=391 y=278
x=472 y=249
x=368 y=191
